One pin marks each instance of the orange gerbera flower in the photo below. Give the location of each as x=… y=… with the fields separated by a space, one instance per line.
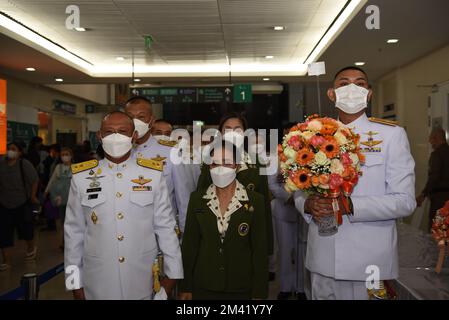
x=328 y=129
x=315 y=181
x=304 y=157
x=302 y=179
x=361 y=157
x=330 y=148
x=294 y=128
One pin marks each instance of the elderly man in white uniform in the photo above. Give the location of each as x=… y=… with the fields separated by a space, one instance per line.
x=341 y=264
x=117 y=208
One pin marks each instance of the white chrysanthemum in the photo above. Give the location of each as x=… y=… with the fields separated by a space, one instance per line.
x=354 y=158
x=321 y=159
x=290 y=186
x=340 y=137
x=336 y=166
x=315 y=125
x=290 y=153
x=307 y=135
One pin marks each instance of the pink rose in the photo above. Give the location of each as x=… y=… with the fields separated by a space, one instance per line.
x=295 y=143
x=346 y=159
x=316 y=141
x=335 y=181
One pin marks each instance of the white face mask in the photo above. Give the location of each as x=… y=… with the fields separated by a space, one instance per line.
x=66 y=159
x=141 y=127
x=11 y=154
x=351 y=98
x=235 y=137
x=162 y=137
x=222 y=176
x=116 y=145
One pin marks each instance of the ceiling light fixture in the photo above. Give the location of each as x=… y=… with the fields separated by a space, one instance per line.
x=278 y=28
x=81 y=29
x=59 y=79
x=120 y=58
x=335 y=29
x=269 y=57
x=359 y=64
x=266 y=79
x=30 y=69
x=137 y=80
x=38 y=42
x=392 y=41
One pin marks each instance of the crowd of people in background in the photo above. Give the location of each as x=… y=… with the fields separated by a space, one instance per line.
x=34 y=184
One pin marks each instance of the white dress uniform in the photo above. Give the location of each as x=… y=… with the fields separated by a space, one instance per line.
x=179 y=179
x=114 y=215
x=291 y=233
x=384 y=193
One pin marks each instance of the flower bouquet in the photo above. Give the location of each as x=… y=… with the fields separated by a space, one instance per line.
x=322 y=156
x=440 y=233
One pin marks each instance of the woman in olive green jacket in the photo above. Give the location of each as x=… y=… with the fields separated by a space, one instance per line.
x=224 y=247
x=248 y=173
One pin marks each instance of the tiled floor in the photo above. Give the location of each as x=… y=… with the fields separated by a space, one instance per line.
x=49 y=255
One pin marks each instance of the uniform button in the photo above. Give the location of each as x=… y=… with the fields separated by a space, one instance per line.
x=118 y=194
x=120 y=237
x=121 y=259
x=221 y=251
x=119 y=175
x=120 y=216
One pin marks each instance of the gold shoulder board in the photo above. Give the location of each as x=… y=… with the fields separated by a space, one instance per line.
x=83 y=166
x=167 y=143
x=383 y=121
x=152 y=164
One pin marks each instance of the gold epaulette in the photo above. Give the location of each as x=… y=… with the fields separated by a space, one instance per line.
x=149 y=163
x=83 y=166
x=384 y=121
x=167 y=143
x=159 y=159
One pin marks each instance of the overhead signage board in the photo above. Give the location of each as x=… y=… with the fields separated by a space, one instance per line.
x=243 y=93
x=185 y=95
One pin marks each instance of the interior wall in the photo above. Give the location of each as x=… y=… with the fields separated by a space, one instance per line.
x=408 y=88
x=26 y=99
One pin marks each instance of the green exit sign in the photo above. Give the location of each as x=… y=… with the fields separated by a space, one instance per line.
x=243 y=93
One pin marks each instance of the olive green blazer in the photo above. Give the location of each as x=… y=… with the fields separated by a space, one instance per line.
x=240 y=263
x=253 y=181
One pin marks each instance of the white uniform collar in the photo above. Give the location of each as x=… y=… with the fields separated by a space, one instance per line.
x=360 y=122
x=117 y=167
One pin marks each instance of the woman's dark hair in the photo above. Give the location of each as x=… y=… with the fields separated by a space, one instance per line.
x=233 y=115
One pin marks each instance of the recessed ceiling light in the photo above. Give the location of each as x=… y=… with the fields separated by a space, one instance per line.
x=80 y=29
x=359 y=64
x=120 y=58
x=269 y=57
x=30 y=69
x=136 y=80
x=392 y=40
x=266 y=79
x=59 y=79
x=278 y=28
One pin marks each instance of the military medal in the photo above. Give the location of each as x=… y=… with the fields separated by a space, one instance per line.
x=141 y=180
x=243 y=229
x=95 y=183
x=94 y=217
x=371 y=143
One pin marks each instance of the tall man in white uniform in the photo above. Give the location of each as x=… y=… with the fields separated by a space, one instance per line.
x=179 y=180
x=341 y=264
x=117 y=209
